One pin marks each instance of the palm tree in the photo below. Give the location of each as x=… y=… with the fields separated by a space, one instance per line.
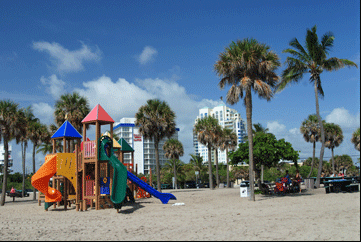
x=208 y=131
x=356 y=139
x=9 y=129
x=175 y=166
x=45 y=148
x=259 y=128
x=197 y=162
x=157 y=121
x=229 y=141
x=333 y=138
x=37 y=134
x=71 y=107
x=28 y=118
x=312 y=59
x=217 y=143
x=343 y=162
x=247 y=65
x=310 y=129
x=173 y=150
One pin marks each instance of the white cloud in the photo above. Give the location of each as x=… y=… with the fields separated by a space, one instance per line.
x=147 y=55
x=44 y=112
x=66 y=60
x=55 y=85
x=342 y=117
x=123 y=99
x=276 y=128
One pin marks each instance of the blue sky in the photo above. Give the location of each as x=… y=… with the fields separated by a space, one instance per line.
x=121 y=53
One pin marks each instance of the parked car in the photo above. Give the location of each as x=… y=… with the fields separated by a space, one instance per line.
x=163 y=186
x=244 y=184
x=190 y=184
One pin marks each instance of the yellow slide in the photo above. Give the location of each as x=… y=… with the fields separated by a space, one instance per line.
x=40 y=179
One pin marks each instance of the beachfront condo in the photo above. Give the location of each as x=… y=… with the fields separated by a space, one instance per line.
x=227 y=118
x=144 y=151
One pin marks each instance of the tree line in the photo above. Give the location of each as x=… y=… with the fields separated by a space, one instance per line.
x=245 y=65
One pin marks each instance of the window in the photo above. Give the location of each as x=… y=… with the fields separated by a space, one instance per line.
x=201 y=115
x=216 y=114
x=221 y=115
x=125 y=128
x=205 y=115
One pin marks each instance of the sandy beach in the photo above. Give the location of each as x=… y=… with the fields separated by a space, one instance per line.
x=220 y=214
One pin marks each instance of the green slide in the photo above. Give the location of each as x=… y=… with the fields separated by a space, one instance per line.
x=120 y=171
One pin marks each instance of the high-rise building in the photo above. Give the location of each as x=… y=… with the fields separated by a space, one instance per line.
x=2 y=157
x=227 y=118
x=144 y=151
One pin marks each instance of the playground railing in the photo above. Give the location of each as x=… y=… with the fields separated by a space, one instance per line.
x=89 y=149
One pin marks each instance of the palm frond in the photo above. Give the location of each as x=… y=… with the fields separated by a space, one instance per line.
x=327 y=42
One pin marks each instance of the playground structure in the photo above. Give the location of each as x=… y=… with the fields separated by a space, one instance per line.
x=90 y=173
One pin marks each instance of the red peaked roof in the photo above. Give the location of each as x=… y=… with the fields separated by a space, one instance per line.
x=98 y=114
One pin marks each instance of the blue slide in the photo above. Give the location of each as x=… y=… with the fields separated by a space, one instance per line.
x=164 y=197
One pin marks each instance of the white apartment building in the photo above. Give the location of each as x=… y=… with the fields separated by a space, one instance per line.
x=2 y=155
x=144 y=151
x=227 y=118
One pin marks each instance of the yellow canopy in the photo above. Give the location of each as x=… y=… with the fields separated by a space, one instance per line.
x=116 y=145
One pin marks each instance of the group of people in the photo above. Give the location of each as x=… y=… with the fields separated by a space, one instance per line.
x=296 y=181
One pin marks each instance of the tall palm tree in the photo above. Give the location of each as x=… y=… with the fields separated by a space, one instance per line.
x=197 y=162
x=356 y=139
x=216 y=145
x=9 y=130
x=343 y=162
x=229 y=141
x=27 y=118
x=37 y=134
x=208 y=130
x=312 y=59
x=311 y=131
x=173 y=150
x=71 y=107
x=156 y=120
x=175 y=166
x=248 y=65
x=333 y=138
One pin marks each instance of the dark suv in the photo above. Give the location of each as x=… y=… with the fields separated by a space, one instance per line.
x=190 y=184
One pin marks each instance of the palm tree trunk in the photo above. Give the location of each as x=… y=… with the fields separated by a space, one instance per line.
x=227 y=168
x=250 y=141
x=313 y=158
x=210 y=167
x=34 y=191
x=157 y=164
x=23 y=150
x=175 y=174
x=333 y=163
x=217 y=176
x=5 y=169
x=318 y=179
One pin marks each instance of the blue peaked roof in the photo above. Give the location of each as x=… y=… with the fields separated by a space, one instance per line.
x=66 y=130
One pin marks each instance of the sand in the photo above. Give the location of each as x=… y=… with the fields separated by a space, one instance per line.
x=220 y=214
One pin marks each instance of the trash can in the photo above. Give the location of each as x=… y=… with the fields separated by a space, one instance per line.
x=244 y=190
x=309 y=183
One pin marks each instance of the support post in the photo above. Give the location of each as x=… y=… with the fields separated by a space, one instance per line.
x=97 y=132
x=54 y=143
x=150 y=177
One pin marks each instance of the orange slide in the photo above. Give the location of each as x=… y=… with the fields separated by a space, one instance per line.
x=40 y=179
